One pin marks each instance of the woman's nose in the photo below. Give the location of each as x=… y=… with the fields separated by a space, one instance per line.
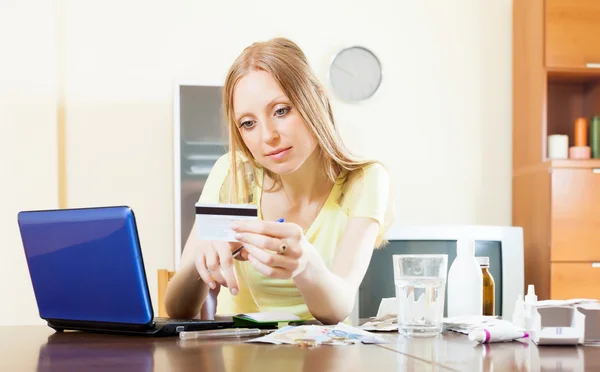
x=269 y=132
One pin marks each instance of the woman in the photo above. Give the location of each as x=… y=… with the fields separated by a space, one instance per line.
x=287 y=158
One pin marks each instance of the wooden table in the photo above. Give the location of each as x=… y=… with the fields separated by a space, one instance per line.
x=38 y=348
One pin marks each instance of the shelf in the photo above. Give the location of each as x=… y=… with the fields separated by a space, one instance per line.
x=205 y=143
x=574 y=163
x=573 y=75
x=568 y=101
x=204 y=157
x=198 y=170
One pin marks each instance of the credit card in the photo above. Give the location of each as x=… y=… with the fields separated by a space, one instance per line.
x=213 y=221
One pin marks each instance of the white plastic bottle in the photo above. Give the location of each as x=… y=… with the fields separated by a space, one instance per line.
x=530 y=297
x=465 y=282
x=530 y=302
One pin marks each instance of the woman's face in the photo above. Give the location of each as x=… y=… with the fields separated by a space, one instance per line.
x=270 y=126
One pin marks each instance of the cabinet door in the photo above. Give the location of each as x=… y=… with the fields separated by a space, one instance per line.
x=572 y=33
x=574 y=280
x=575 y=214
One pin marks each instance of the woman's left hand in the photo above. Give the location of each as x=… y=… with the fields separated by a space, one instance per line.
x=277 y=250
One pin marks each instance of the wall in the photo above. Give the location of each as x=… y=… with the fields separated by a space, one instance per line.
x=28 y=141
x=441 y=120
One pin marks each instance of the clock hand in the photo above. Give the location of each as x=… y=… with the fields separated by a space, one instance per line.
x=345 y=71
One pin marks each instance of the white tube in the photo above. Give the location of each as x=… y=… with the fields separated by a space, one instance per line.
x=484 y=336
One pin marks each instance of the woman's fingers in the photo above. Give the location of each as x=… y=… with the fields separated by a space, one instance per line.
x=270 y=259
x=270 y=271
x=274 y=229
x=227 y=270
x=213 y=266
x=200 y=263
x=263 y=241
x=268 y=243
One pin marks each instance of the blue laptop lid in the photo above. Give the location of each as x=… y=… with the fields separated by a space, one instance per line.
x=86 y=264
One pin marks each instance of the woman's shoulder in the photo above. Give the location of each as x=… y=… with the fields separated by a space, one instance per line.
x=369 y=176
x=369 y=184
x=218 y=186
x=375 y=169
x=367 y=192
x=225 y=160
x=220 y=168
x=223 y=165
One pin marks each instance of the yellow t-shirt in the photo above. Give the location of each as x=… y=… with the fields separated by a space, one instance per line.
x=366 y=196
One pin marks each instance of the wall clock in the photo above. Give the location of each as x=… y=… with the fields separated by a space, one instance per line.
x=355 y=74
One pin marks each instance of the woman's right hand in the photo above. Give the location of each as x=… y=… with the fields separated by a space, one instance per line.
x=214 y=263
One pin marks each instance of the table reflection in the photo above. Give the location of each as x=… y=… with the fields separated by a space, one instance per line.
x=84 y=351
x=74 y=351
x=559 y=358
x=243 y=356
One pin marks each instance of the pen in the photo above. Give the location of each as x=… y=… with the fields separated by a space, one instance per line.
x=238 y=250
x=222 y=333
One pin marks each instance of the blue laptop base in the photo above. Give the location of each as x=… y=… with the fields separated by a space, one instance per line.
x=87 y=272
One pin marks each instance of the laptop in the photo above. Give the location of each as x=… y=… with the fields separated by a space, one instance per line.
x=87 y=272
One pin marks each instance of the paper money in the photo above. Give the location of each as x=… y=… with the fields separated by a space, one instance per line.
x=387 y=322
x=340 y=334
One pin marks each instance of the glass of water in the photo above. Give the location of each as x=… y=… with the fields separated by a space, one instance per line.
x=420 y=291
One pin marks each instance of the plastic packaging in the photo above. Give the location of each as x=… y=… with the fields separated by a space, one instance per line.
x=519 y=312
x=484 y=336
x=489 y=295
x=465 y=282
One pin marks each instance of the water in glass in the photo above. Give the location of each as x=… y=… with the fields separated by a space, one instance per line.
x=420 y=305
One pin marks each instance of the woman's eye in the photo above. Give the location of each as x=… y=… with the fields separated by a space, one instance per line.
x=282 y=111
x=247 y=124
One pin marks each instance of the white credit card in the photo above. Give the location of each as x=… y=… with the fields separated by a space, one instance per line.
x=213 y=221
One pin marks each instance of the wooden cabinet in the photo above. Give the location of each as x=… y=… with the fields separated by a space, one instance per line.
x=575 y=215
x=557 y=202
x=572 y=33
x=575 y=280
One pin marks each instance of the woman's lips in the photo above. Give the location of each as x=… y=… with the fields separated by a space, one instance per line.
x=279 y=154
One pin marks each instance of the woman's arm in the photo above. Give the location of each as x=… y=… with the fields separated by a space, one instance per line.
x=210 y=261
x=330 y=293
x=187 y=291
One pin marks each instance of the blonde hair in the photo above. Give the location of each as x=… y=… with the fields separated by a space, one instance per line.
x=287 y=64
x=289 y=67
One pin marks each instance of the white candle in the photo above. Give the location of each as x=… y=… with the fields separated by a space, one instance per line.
x=558 y=146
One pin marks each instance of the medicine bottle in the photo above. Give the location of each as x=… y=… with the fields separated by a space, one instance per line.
x=465 y=282
x=488 y=286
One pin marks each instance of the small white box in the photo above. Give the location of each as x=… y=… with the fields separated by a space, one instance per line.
x=557 y=325
x=566 y=325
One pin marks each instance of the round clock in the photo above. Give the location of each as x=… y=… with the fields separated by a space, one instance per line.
x=355 y=74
